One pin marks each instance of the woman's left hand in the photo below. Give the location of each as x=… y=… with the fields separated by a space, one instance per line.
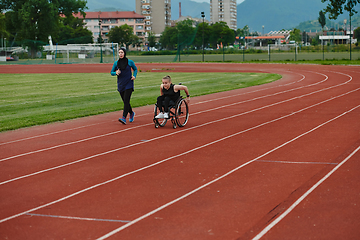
x=132 y=78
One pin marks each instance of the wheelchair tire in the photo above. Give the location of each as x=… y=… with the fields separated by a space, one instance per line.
x=181 y=112
x=158 y=121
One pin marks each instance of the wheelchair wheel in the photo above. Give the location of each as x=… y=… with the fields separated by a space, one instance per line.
x=158 y=121
x=181 y=112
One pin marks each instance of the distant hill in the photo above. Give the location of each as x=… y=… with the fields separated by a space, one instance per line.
x=189 y=8
x=314 y=25
x=110 y=5
x=272 y=14
x=278 y=14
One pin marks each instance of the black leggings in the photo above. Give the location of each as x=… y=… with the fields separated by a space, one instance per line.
x=125 y=96
x=166 y=100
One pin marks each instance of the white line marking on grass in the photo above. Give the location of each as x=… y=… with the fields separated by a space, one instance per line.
x=173 y=157
x=219 y=178
x=76 y=218
x=187 y=129
x=299 y=200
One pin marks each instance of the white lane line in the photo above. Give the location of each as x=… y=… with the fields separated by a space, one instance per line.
x=219 y=178
x=299 y=200
x=179 y=155
x=187 y=129
x=71 y=129
x=76 y=218
x=290 y=162
x=116 y=132
x=51 y=133
x=74 y=142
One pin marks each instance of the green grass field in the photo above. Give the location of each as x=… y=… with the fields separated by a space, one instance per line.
x=35 y=99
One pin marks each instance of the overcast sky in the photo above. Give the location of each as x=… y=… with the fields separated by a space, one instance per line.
x=208 y=1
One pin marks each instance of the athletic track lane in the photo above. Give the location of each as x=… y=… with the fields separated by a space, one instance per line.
x=276 y=161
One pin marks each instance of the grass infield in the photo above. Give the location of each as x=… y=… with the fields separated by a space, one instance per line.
x=35 y=99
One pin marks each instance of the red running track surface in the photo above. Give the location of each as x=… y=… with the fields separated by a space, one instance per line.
x=276 y=161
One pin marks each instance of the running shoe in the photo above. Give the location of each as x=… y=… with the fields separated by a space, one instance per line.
x=160 y=115
x=131 y=119
x=122 y=120
x=166 y=115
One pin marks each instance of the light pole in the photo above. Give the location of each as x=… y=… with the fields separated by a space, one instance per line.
x=203 y=17
x=101 y=57
x=350 y=34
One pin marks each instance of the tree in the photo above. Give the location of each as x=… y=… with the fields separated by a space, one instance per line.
x=186 y=33
x=295 y=35
x=315 y=41
x=199 y=35
x=72 y=30
x=357 y=34
x=123 y=35
x=33 y=21
x=221 y=33
x=335 y=7
x=152 y=39
x=3 y=31
x=168 y=38
x=322 y=21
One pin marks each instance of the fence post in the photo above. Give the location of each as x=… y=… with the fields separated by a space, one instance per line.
x=244 y=54
x=269 y=51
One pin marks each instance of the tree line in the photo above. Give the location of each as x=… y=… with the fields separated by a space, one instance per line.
x=31 y=22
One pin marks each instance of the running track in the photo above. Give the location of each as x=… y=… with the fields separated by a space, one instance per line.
x=277 y=161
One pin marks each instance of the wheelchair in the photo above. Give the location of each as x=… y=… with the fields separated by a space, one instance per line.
x=178 y=114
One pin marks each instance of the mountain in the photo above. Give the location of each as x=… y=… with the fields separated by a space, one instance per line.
x=314 y=25
x=189 y=8
x=274 y=15
x=110 y=5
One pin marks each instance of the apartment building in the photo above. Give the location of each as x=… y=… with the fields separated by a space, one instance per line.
x=224 y=11
x=157 y=15
x=113 y=19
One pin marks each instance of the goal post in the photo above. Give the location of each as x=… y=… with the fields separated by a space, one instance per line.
x=86 y=53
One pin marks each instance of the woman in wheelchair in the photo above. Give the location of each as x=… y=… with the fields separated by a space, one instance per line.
x=170 y=98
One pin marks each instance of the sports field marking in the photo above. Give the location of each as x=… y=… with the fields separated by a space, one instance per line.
x=299 y=200
x=289 y=162
x=184 y=153
x=187 y=129
x=43 y=135
x=74 y=142
x=103 y=135
x=223 y=176
x=77 y=218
